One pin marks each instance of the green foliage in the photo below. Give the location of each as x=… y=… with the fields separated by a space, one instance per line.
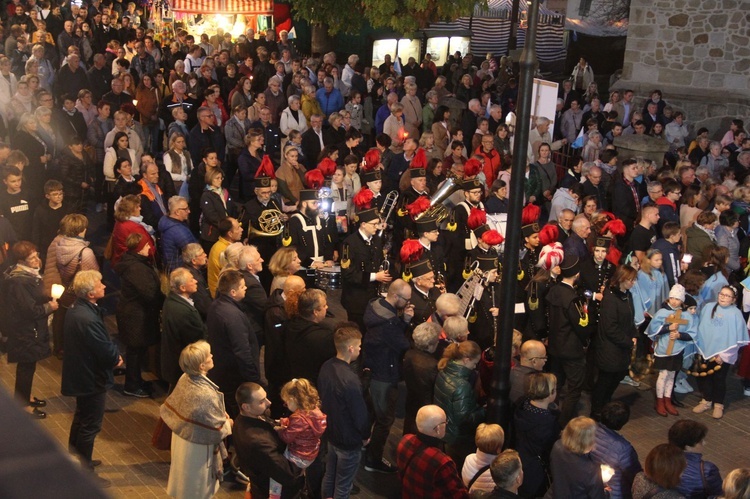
x=401 y=16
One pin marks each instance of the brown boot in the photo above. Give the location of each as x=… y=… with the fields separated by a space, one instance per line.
x=669 y=407
x=718 y=411
x=660 y=409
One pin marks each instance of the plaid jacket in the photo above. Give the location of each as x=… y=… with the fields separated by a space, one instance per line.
x=426 y=471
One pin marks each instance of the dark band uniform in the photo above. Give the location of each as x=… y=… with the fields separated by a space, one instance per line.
x=424 y=303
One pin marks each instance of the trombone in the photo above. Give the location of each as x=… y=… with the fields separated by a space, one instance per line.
x=385 y=212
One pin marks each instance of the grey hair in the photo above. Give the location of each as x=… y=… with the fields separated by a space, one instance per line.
x=586 y=168
x=174 y=201
x=293 y=98
x=594 y=133
x=85 y=281
x=653 y=186
x=541 y=121
x=178 y=278
x=578 y=221
x=230 y=256
x=448 y=304
x=455 y=327
x=190 y=252
x=245 y=257
x=430 y=95
x=25 y=119
x=426 y=335
x=42 y=111
x=702 y=170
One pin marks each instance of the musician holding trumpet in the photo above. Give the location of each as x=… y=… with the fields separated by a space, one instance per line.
x=362 y=269
x=311 y=235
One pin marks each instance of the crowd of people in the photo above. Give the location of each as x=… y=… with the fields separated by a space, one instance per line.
x=239 y=181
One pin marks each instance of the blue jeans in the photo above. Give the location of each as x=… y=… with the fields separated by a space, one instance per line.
x=341 y=469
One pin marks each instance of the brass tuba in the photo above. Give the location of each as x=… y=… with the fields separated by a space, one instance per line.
x=270 y=224
x=437 y=209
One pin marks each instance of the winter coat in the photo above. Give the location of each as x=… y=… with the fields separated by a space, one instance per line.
x=643 y=487
x=181 y=325
x=697 y=241
x=385 y=342
x=455 y=395
x=25 y=312
x=74 y=172
x=614 y=450
x=121 y=232
x=536 y=432
x=567 y=337
x=614 y=340
x=140 y=301
x=562 y=200
x=235 y=350
x=90 y=354
x=175 y=235
x=307 y=345
x=420 y=370
x=66 y=256
x=575 y=475
x=213 y=211
x=692 y=484
x=302 y=431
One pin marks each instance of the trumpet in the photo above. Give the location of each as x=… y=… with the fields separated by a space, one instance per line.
x=387 y=209
x=270 y=223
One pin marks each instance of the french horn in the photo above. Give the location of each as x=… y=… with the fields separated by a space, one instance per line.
x=270 y=224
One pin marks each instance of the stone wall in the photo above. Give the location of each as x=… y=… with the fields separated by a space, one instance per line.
x=696 y=51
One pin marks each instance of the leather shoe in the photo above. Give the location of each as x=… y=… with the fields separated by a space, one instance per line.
x=37 y=414
x=138 y=392
x=677 y=403
x=38 y=402
x=355 y=490
x=96 y=462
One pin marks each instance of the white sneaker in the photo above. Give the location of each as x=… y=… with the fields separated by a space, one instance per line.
x=627 y=380
x=683 y=386
x=747 y=392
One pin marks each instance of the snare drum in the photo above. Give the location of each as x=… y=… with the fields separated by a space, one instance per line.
x=328 y=277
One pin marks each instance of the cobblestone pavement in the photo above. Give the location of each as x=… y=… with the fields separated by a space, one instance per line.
x=138 y=470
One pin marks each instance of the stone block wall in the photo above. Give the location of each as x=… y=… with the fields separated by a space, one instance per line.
x=696 y=51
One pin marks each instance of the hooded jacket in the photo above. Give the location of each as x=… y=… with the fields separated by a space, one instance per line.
x=308 y=345
x=385 y=343
x=25 y=311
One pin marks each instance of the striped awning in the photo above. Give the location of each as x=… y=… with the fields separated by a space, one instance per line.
x=256 y=7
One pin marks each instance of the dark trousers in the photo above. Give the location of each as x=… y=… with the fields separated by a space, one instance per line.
x=87 y=423
x=714 y=387
x=384 y=398
x=570 y=373
x=58 y=320
x=604 y=388
x=24 y=379
x=134 y=357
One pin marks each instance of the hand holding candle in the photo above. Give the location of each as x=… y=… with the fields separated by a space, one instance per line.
x=57 y=291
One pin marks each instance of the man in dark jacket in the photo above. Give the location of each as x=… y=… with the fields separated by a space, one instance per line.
x=250 y=264
x=259 y=448
x=175 y=233
x=194 y=259
x=625 y=195
x=205 y=134
x=308 y=344
x=348 y=422
x=234 y=347
x=181 y=324
x=90 y=355
x=385 y=345
x=569 y=336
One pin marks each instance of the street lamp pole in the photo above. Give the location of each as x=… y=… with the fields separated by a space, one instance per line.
x=499 y=404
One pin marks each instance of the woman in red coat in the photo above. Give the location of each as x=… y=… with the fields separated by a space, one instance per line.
x=128 y=221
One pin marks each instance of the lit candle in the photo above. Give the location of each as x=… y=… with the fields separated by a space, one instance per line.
x=403 y=134
x=135 y=102
x=607 y=473
x=57 y=291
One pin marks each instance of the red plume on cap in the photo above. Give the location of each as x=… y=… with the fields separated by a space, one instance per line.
x=530 y=213
x=314 y=179
x=363 y=199
x=472 y=167
x=614 y=255
x=548 y=234
x=372 y=159
x=265 y=168
x=492 y=237
x=411 y=251
x=327 y=167
x=419 y=160
x=418 y=206
x=476 y=219
x=616 y=227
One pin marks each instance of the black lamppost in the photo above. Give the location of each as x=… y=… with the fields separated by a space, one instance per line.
x=499 y=405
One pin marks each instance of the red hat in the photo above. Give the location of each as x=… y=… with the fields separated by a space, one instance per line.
x=363 y=199
x=314 y=179
x=372 y=159
x=492 y=237
x=477 y=218
x=411 y=250
x=418 y=206
x=616 y=227
x=548 y=234
x=614 y=255
x=264 y=173
x=327 y=167
x=472 y=167
x=530 y=213
x=419 y=160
